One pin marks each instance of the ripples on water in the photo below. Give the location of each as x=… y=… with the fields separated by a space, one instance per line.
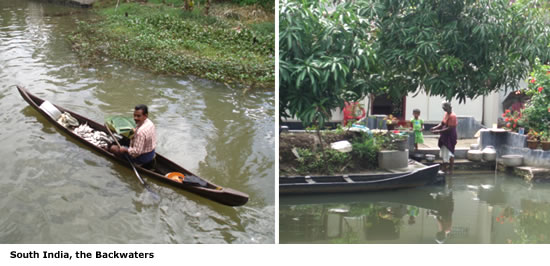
x=55 y=190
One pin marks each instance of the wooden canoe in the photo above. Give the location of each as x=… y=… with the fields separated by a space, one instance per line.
x=358 y=183
x=163 y=166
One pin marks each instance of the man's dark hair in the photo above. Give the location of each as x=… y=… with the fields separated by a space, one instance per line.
x=416 y=110
x=143 y=108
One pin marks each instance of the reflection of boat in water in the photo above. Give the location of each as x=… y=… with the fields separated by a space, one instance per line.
x=470 y=209
x=424 y=197
x=360 y=218
x=359 y=183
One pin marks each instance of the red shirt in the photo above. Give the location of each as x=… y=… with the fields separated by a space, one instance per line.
x=450 y=119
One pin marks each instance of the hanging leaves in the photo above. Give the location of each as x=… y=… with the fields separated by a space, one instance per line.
x=325 y=53
x=459 y=49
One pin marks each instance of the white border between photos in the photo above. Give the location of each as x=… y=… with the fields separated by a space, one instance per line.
x=276 y=174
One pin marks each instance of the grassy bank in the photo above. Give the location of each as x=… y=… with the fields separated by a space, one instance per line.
x=234 y=44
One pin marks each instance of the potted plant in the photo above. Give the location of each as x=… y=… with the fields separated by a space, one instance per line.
x=533 y=138
x=391 y=122
x=400 y=140
x=545 y=140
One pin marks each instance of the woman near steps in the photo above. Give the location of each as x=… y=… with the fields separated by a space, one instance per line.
x=448 y=137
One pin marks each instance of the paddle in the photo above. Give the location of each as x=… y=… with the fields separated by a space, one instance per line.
x=133 y=167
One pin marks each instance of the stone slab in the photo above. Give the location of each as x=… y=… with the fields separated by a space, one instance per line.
x=469 y=166
x=460 y=153
x=533 y=174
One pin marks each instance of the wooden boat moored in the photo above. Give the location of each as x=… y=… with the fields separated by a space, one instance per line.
x=358 y=183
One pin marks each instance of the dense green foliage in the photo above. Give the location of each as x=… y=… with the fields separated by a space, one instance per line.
x=536 y=115
x=454 y=49
x=325 y=58
x=270 y=4
x=310 y=159
x=169 y=40
x=365 y=151
x=328 y=162
x=458 y=49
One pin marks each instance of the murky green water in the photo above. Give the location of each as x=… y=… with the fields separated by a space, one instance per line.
x=54 y=190
x=469 y=209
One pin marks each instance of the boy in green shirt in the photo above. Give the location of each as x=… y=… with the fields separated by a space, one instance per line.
x=418 y=126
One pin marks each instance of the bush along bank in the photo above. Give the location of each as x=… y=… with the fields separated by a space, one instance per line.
x=301 y=154
x=169 y=40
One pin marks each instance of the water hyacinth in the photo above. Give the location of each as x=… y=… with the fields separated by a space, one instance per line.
x=166 y=40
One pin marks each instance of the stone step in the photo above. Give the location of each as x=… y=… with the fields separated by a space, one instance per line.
x=464 y=164
x=460 y=153
x=533 y=174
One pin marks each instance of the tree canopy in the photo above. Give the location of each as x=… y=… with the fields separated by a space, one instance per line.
x=330 y=53
x=325 y=57
x=458 y=49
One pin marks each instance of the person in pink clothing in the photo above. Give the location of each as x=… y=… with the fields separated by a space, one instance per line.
x=143 y=144
x=448 y=137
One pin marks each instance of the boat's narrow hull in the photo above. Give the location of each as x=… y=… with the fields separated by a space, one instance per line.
x=341 y=184
x=211 y=191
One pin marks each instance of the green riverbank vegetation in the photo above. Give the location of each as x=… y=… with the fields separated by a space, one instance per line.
x=233 y=44
x=303 y=153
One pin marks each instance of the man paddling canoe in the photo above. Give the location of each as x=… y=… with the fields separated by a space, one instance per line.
x=142 y=145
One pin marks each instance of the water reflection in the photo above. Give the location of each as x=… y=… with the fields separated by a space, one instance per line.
x=469 y=209
x=443 y=216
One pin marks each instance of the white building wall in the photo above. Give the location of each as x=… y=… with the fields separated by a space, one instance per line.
x=430 y=107
x=485 y=109
x=492 y=108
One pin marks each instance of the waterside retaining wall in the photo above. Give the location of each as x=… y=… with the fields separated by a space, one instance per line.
x=506 y=143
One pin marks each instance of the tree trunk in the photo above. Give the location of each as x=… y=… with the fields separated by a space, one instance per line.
x=320 y=140
x=189 y=5
x=186 y=7
x=207 y=7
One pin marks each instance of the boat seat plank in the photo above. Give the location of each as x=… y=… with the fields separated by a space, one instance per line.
x=309 y=180
x=347 y=179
